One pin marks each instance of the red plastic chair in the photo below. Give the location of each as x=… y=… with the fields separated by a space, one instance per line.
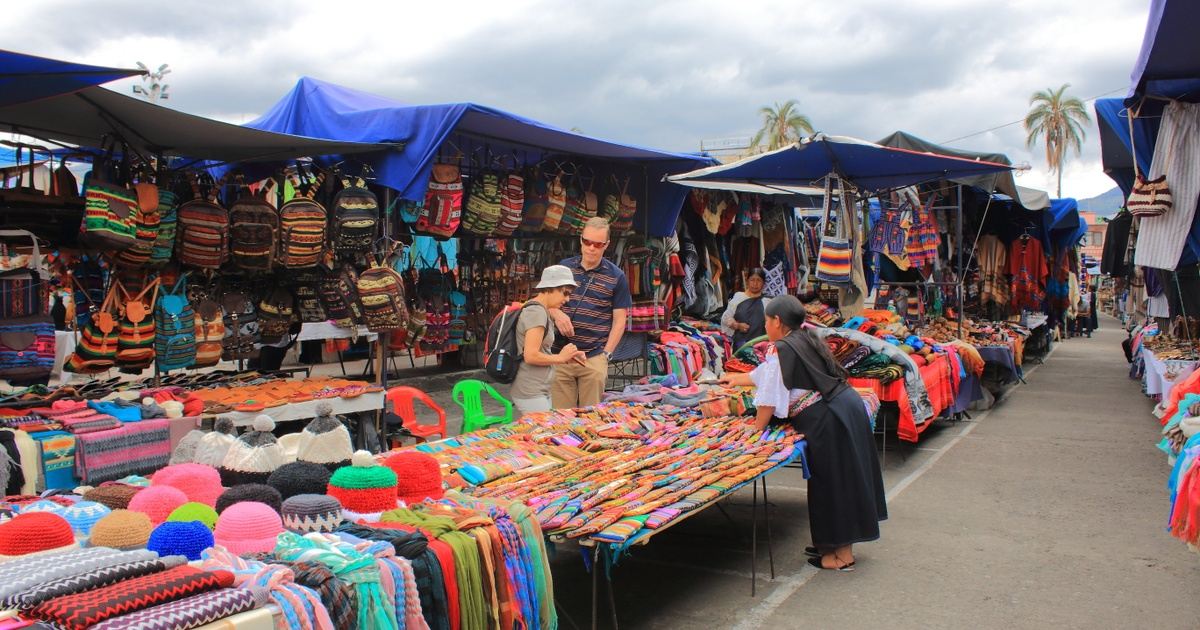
x=402 y=398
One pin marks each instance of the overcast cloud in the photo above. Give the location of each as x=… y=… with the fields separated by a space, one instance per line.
x=663 y=74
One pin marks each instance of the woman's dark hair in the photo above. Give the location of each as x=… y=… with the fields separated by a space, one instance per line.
x=757 y=271
x=789 y=310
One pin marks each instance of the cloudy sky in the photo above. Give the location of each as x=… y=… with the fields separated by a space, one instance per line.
x=667 y=74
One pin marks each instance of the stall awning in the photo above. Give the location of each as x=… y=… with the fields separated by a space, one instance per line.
x=325 y=110
x=867 y=165
x=89 y=116
x=25 y=78
x=1168 y=65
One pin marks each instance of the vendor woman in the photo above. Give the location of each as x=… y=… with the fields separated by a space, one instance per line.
x=845 y=486
x=745 y=315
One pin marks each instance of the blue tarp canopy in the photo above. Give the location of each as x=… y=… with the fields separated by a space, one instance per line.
x=1116 y=144
x=1169 y=62
x=1062 y=225
x=325 y=110
x=868 y=166
x=26 y=78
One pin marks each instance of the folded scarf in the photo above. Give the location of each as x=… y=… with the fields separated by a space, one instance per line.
x=854 y=357
x=95 y=578
x=339 y=597
x=374 y=609
x=300 y=607
x=189 y=612
x=24 y=574
x=83 y=610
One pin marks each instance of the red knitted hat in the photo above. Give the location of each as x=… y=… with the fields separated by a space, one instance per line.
x=157 y=502
x=200 y=483
x=364 y=487
x=33 y=533
x=418 y=476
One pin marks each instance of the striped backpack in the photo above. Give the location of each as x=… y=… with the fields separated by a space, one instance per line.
x=308 y=298
x=241 y=327
x=164 y=240
x=202 y=232
x=355 y=218
x=303 y=223
x=556 y=205
x=512 y=201
x=210 y=333
x=381 y=293
x=483 y=205
x=338 y=291
x=443 y=202
x=174 y=328
x=135 y=341
x=536 y=201
x=276 y=312
x=96 y=349
x=253 y=233
x=627 y=208
x=146 y=223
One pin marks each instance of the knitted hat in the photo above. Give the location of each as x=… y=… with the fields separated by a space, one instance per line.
x=418 y=476
x=214 y=445
x=35 y=532
x=115 y=496
x=253 y=456
x=158 y=502
x=182 y=538
x=248 y=527
x=43 y=506
x=325 y=440
x=258 y=492
x=185 y=450
x=299 y=478
x=122 y=529
x=364 y=488
x=199 y=482
x=193 y=511
x=83 y=516
x=306 y=513
x=151 y=410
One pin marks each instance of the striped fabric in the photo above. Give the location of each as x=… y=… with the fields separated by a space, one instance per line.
x=27 y=573
x=26 y=349
x=95 y=578
x=591 y=305
x=190 y=612
x=1177 y=155
x=133 y=449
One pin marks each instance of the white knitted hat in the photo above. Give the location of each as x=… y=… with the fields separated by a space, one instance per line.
x=215 y=444
x=253 y=456
x=325 y=441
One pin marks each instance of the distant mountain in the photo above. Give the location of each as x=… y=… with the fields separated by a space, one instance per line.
x=1104 y=205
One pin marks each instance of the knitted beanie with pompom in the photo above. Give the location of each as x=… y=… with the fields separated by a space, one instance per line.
x=325 y=440
x=365 y=489
x=253 y=456
x=215 y=444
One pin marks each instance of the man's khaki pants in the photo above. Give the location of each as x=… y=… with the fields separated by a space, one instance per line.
x=578 y=385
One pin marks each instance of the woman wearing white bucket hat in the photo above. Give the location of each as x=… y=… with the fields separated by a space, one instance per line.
x=535 y=336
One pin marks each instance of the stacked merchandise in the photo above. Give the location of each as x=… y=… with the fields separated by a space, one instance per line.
x=687 y=350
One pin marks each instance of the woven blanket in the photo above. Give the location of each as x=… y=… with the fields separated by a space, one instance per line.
x=58 y=458
x=86 y=609
x=30 y=423
x=190 y=612
x=95 y=578
x=26 y=573
x=136 y=448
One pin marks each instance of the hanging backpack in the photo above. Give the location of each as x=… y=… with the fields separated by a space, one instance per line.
x=174 y=328
x=355 y=219
x=202 y=232
x=147 y=222
x=381 y=293
x=253 y=233
x=443 y=202
x=512 y=200
x=241 y=327
x=164 y=239
x=210 y=333
x=21 y=283
x=96 y=348
x=483 y=205
x=501 y=350
x=627 y=208
x=611 y=207
x=338 y=290
x=276 y=312
x=26 y=349
x=556 y=205
x=536 y=201
x=135 y=341
x=302 y=223
x=308 y=298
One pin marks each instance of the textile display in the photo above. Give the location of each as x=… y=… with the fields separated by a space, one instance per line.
x=939 y=381
x=1161 y=239
x=131 y=449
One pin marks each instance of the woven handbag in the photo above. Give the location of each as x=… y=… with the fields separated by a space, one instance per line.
x=482 y=215
x=627 y=209
x=26 y=349
x=887 y=235
x=21 y=282
x=1149 y=197
x=834 y=262
x=96 y=349
x=537 y=200
x=109 y=219
x=512 y=201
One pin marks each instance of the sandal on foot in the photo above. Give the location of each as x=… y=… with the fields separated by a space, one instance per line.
x=816 y=562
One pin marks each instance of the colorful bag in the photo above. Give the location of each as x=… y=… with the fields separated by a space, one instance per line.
x=202 y=233
x=241 y=327
x=308 y=298
x=276 y=312
x=253 y=233
x=355 y=219
x=612 y=204
x=21 y=282
x=26 y=349
x=536 y=201
x=512 y=200
x=302 y=224
x=483 y=211
x=164 y=239
x=628 y=208
x=834 y=262
x=96 y=348
x=338 y=290
x=443 y=202
x=381 y=293
x=556 y=205
x=210 y=333
x=174 y=329
x=110 y=216
x=887 y=235
x=1149 y=197
x=147 y=223
x=135 y=340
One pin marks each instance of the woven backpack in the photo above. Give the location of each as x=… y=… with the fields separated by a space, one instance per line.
x=210 y=332
x=355 y=218
x=536 y=201
x=241 y=327
x=628 y=207
x=512 y=201
x=556 y=205
x=253 y=233
x=308 y=298
x=174 y=328
x=338 y=291
x=164 y=240
x=276 y=312
x=381 y=293
x=146 y=223
x=202 y=232
x=96 y=348
x=135 y=341
x=482 y=215
x=302 y=238
x=443 y=202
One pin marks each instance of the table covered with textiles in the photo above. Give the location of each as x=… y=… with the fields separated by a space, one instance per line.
x=1160 y=376
x=1002 y=356
x=941 y=380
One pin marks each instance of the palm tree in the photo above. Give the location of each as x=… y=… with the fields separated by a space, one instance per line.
x=1059 y=121
x=782 y=125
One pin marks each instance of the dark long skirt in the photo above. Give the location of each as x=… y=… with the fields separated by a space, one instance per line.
x=845 y=487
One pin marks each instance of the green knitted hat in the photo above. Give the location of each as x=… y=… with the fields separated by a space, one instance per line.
x=364 y=487
x=195 y=511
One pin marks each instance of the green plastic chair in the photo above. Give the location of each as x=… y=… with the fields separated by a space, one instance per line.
x=468 y=393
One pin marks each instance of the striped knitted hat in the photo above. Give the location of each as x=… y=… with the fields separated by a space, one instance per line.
x=35 y=532
x=122 y=529
x=258 y=492
x=116 y=496
x=157 y=502
x=199 y=482
x=214 y=445
x=253 y=456
x=182 y=538
x=83 y=516
x=325 y=440
x=305 y=513
x=365 y=489
x=194 y=511
x=299 y=478
x=248 y=527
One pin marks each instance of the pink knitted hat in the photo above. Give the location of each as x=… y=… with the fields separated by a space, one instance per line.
x=200 y=483
x=157 y=502
x=248 y=527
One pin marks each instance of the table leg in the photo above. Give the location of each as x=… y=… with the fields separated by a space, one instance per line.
x=612 y=598
x=767 y=518
x=754 y=544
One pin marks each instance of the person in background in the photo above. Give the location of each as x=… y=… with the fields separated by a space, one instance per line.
x=531 y=388
x=744 y=317
x=845 y=488
x=1085 y=311
x=593 y=319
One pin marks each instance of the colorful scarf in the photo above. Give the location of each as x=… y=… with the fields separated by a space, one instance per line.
x=190 y=612
x=301 y=606
x=95 y=578
x=374 y=609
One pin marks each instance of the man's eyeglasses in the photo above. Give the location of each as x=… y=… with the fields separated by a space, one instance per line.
x=593 y=244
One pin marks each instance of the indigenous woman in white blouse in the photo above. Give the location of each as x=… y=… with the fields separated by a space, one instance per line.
x=802 y=384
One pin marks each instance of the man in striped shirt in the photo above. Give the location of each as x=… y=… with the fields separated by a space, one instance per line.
x=593 y=319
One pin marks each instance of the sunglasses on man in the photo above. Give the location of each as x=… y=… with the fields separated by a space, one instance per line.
x=587 y=242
